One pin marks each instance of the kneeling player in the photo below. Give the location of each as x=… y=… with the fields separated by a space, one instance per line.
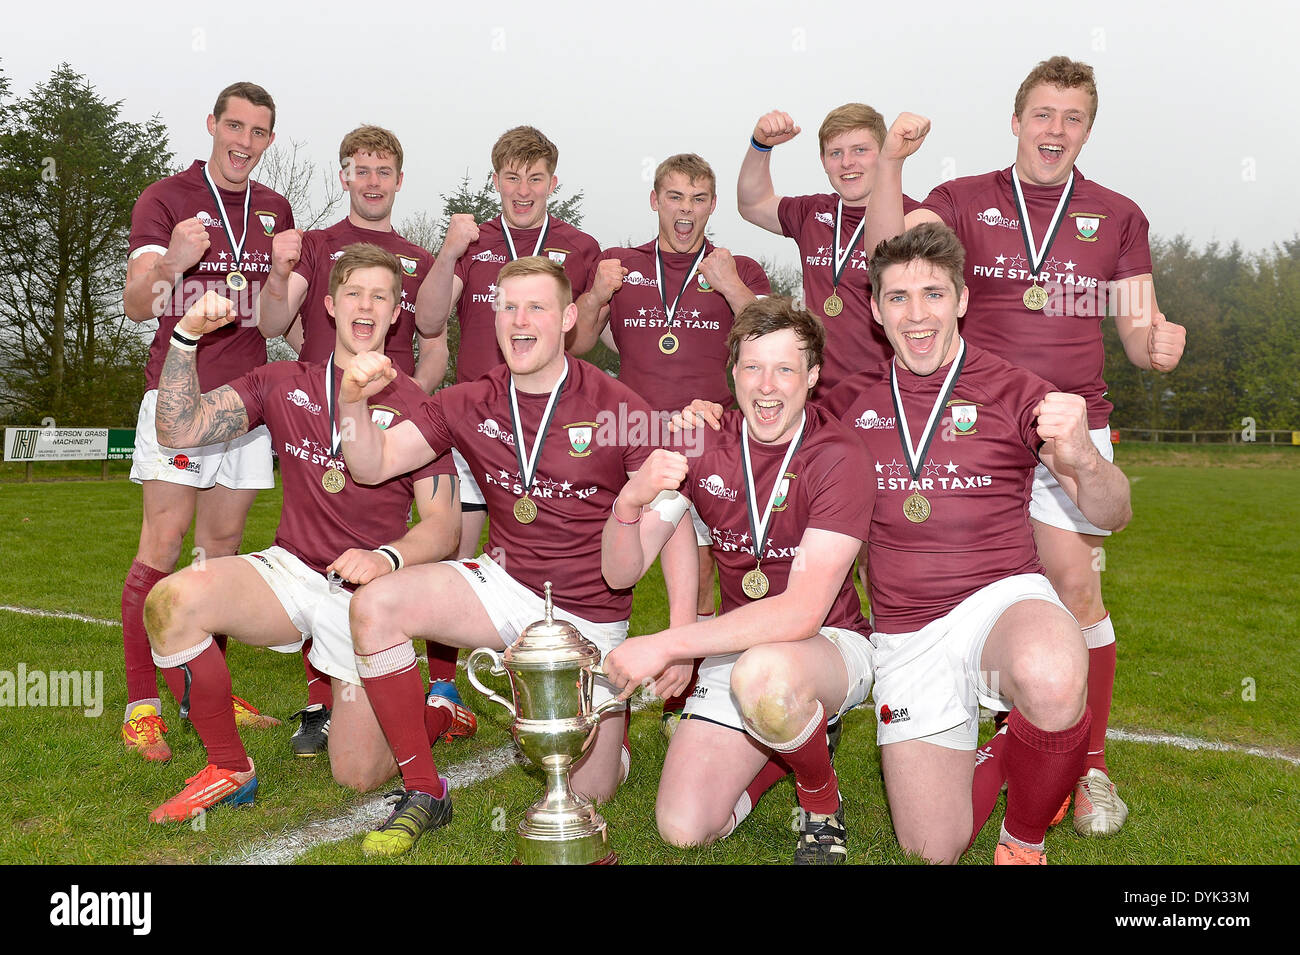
x=780 y=490
x=549 y=480
x=331 y=531
x=962 y=611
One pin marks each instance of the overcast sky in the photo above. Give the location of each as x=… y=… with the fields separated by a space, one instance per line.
x=1192 y=123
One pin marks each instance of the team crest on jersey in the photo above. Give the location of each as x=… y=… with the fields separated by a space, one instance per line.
x=268 y=221
x=1087 y=223
x=580 y=438
x=703 y=282
x=408 y=265
x=382 y=417
x=556 y=255
x=964 y=415
x=783 y=492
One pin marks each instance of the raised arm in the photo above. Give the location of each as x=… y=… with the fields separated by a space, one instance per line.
x=1150 y=340
x=186 y=418
x=284 y=290
x=593 y=306
x=151 y=276
x=374 y=455
x=755 y=194
x=442 y=287
x=1096 y=486
x=636 y=532
x=719 y=268
x=884 y=218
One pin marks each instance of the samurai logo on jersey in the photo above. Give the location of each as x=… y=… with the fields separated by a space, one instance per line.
x=299 y=397
x=993 y=216
x=335 y=256
x=869 y=419
x=715 y=486
x=825 y=218
x=636 y=278
x=473 y=569
x=888 y=716
x=182 y=462
x=487 y=255
x=496 y=432
x=207 y=220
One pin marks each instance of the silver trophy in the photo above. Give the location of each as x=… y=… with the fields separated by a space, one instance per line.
x=551 y=668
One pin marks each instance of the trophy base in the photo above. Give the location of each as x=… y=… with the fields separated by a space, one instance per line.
x=571 y=835
x=611 y=859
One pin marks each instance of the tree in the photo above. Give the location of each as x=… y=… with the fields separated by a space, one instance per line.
x=286 y=170
x=70 y=172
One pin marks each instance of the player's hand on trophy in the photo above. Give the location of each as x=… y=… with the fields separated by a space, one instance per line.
x=462 y=232
x=1165 y=343
x=634 y=663
x=774 y=128
x=286 y=250
x=904 y=137
x=608 y=280
x=360 y=566
x=207 y=314
x=697 y=414
x=369 y=374
x=673 y=681
x=663 y=470
x=1063 y=419
x=187 y=245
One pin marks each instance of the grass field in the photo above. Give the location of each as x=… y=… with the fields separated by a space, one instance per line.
x=1204 y=587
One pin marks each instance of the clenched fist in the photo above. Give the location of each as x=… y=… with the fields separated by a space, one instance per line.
x=369 y=374
x=905 y=136
x=187 y=245
x=286 y=250
x=1165 y=343
x=608 y=280
x=775 y=128
x=462 y=232
x=207 y=314
x=719 y=268
x=1063 y=418
x=663 y=471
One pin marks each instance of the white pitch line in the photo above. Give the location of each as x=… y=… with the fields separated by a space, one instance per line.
x=61 y=615
x=1191 y=743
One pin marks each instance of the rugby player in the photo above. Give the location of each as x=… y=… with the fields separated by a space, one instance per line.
x=292 y=303
x=333 y=534
x=962 y=611
x=538 y=434
x=779 y=488
x=465 y=273
x=1048 y=254
x=207 y=228
x=667 y=308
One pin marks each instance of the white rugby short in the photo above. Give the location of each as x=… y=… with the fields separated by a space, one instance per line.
x=928 y=682
x=470 y=492
x=1051 y=505
x=512 y=608
x=713 y=700
x=703 y=536
x=244 y=463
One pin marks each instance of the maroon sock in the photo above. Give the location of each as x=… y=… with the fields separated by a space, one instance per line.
x=772 y=772
x=204 y=682
x=674 y=704
x=815 y=782
x=318 y=684
x=141 y=677
x=437 y=720
x=1101 y=685
x=442 y=661
x=396 y=693
x=990 y=774
x=1041 y=770
x=220 y=640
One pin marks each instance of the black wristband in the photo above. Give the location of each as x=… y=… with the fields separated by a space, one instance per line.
x=754 y=143
x=183 y=340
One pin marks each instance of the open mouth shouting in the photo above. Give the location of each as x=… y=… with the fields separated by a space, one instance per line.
x=768 y=409
x=521 y=344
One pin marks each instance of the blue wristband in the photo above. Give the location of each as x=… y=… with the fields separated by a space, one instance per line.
x=759 y=146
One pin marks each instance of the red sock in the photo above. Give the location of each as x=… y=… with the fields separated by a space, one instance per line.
x=674 y=704
x=773 y=771
x=396 y=693
x=990 y=774
x=220 y=640
x=815 y=782
x=442 y=661
x=318 y=684
x=141 y=677
x=437 y=720
x=1041 y=770
x=1101 y=685
x=208 y=694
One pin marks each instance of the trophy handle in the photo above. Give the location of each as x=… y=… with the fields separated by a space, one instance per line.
x=481 y=654
x=608 y=705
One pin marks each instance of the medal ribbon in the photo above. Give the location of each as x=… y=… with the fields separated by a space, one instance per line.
x=510 y=240
x=526 y=470
x=237 y=250
x=659 y=275
x=331 y=401
x=1036 y=256
x=916 y=460
x=842 y=261
x=758 y=528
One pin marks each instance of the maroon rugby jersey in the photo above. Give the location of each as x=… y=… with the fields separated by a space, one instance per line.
x=977 y=477
x=321 y=248
x=478 y=269
x=236 y=348
x=854 y=342
x=1102 y=238
x=701 y=322
x=591 y=445
x=823 y=489
x=315 y=525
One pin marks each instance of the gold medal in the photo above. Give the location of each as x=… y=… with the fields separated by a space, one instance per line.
x=1035 y=297
x=916 y=508
x=754 y=584
x=333 y=480
x=525 y=510
x=833 y=305
x=237 y=281
x=669 y=343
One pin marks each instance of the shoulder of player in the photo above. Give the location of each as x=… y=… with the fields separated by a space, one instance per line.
x=1087 y=190
x=832 y=441
x=966 y=185
x=602 y=391
x=855 y=387
x=572 y=235
x=993 y=377
x=266 y=196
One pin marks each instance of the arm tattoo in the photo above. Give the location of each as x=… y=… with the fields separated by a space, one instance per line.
x=193 y=419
